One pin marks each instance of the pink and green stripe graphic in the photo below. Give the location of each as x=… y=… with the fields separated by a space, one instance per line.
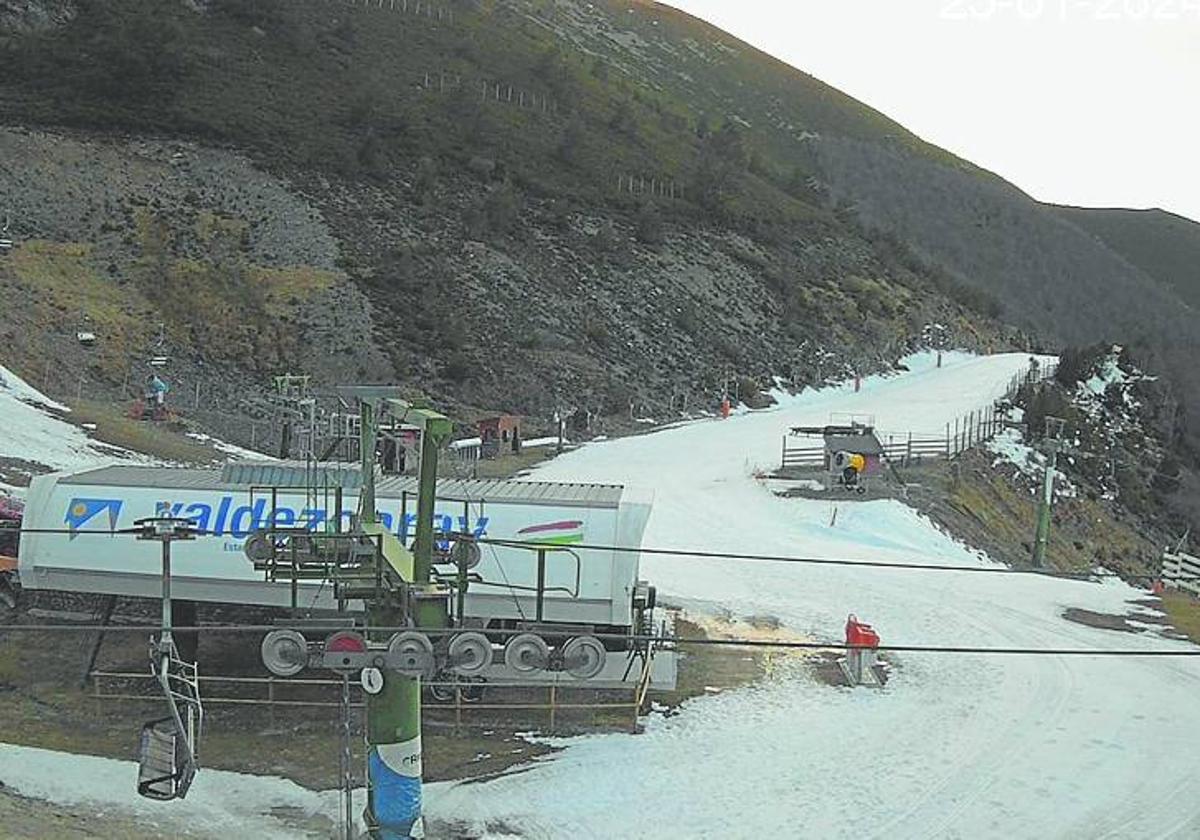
x=567 y=532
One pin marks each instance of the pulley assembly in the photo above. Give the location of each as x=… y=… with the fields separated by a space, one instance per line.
x=411 y=653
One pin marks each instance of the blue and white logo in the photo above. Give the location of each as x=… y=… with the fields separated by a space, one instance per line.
x=82 y=511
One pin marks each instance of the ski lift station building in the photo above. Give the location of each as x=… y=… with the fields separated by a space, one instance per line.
x=86 y=510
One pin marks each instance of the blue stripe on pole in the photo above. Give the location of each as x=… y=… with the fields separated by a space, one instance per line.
x=397 y=798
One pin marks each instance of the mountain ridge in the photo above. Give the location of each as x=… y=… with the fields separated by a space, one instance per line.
x=483 y=164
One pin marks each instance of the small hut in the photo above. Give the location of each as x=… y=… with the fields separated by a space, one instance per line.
x=500 y=435
x=852 y=453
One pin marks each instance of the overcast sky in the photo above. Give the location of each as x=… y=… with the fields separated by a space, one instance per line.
x=1088 y=102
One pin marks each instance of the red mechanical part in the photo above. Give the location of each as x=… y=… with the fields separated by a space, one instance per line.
x=859 y=634
x=345 y=641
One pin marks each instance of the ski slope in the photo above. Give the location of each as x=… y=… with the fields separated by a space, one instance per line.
x=34 y=430
x=955 y=746
x=220 y=804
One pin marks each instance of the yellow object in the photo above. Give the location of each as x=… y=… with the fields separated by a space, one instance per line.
x=394 y=552
x=858 y=462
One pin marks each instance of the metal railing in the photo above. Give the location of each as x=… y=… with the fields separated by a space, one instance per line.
x=908 y=449
x=275 y=693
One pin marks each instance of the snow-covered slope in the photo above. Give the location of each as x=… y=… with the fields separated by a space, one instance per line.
x=955 y=746
x=221 y=804
x=32 y=430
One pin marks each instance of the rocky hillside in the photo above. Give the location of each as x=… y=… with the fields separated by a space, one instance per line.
x=510 y=204
x=475 y=200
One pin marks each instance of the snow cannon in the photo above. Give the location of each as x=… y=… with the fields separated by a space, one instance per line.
x=859 y=665
x=850 y=467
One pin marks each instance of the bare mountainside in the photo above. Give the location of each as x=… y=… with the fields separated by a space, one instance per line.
x=519 y=204
x=470 y=199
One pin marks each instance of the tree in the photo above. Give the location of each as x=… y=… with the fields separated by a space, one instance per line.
x=570 y=146
x=623 y=120
x=115 y=54
x=502 y=207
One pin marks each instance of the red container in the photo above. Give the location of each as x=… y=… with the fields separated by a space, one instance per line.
x=859 y=634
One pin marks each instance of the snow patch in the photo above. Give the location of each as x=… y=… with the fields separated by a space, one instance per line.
x=221 y=803
x=34 y=431
x=238 y=452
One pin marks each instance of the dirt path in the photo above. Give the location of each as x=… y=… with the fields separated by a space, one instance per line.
x=21 y=817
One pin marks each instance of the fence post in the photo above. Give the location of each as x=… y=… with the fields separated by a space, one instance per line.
x=948 y=440
x=553 y=698
x=908 y=456
x=956 y=449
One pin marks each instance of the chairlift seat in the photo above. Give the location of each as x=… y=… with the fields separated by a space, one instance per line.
x=164 y=770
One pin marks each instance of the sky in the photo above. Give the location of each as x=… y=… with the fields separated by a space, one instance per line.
x=1088 y=102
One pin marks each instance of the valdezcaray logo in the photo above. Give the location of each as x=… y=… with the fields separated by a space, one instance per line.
x=82 y=511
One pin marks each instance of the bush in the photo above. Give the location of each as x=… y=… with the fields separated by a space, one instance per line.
x=457 y=367
x=596 y=332
x=649 y=224
x=502 y=208
x=1041 y=402
x=1077 y=364
x=261 y=13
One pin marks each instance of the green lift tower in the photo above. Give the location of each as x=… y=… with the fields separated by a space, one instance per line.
x=396 y=586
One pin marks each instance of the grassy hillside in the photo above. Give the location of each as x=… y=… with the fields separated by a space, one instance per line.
x=1163 y=245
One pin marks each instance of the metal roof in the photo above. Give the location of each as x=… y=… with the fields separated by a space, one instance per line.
x=862 y=444
x=470 y=490
x=292 y=474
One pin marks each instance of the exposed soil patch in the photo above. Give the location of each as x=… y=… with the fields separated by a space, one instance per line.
x=17 y=472
x=1102 y=621
x=824 y=668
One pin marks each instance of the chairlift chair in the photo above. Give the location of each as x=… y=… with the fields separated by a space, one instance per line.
x=167 y=760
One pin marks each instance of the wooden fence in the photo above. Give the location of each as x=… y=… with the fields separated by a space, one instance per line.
x=1181 y=571
x=416 y=8
x=906 y=449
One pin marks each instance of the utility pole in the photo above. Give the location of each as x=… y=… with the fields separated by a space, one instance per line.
x=1053 y=443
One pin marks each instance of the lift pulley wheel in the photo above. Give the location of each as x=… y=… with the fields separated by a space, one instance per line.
x=584 y=657
x=526 y=653
x=468 y=551
x=345 y=652
x=411 y=654
x=284 y=652
x=258 y=548
x=470 y=654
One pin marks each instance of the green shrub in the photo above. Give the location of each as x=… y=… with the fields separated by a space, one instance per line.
x=649 y=224
x=457 y=367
